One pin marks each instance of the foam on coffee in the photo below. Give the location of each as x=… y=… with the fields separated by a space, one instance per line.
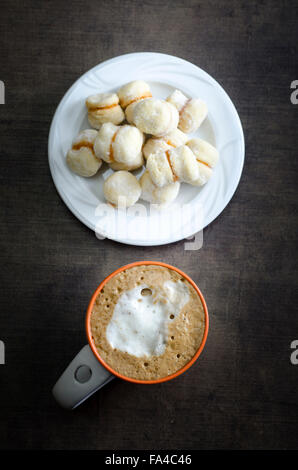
x=134 y=340
x=139 y=325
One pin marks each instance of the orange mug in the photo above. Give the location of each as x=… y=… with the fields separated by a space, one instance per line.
x=88 y=372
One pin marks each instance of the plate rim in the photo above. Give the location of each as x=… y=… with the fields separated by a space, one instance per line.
x=79 y=215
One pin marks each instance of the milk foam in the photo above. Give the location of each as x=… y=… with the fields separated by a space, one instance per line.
x=139 y=325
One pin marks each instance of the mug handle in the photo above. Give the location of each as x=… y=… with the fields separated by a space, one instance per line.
x=83 y=377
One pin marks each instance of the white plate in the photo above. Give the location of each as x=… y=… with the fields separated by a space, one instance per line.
x=195 y=207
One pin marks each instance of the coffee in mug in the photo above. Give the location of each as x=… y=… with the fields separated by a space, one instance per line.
x=147 y=322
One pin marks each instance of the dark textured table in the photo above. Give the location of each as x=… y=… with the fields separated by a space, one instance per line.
x=242 y=393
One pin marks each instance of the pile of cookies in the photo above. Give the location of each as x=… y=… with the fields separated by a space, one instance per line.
x=134 y=129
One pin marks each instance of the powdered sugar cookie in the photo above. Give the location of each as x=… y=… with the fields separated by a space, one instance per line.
x=103 y=141
x=172 y=139
x=176 y=164
x=183 y=164
x=127 y=145
x=160 y=169
x=129 y=112
x=155 y=117
x=120 y=145
x=207 y=157
x=204 y=174
x=81 y=157
x=192 y=112
x=155 y=145
x=104 y=107
x=152 y=193
x=133 y=91
x=204 y=152
x=122 y=189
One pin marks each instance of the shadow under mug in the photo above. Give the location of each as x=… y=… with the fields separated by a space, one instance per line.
x=88 y=372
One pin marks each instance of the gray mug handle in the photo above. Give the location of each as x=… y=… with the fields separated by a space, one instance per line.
x=83 y=377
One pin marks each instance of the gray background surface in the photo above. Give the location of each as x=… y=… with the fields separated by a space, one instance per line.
x=242 y=393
